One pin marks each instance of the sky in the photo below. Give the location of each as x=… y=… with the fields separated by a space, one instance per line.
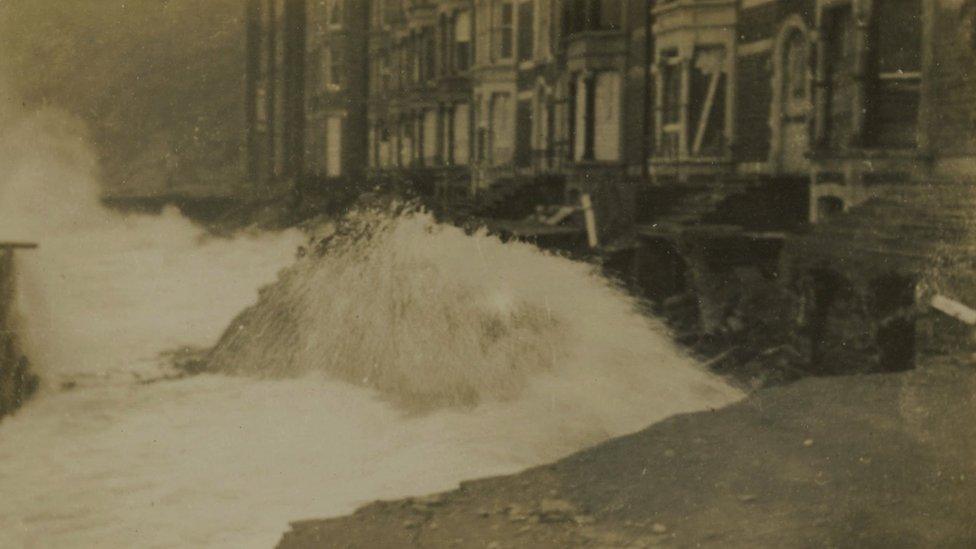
x=159 y=83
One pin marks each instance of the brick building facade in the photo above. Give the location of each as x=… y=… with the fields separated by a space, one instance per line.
x=710 y=133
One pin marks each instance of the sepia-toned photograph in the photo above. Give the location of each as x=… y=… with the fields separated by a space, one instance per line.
x=492 y=274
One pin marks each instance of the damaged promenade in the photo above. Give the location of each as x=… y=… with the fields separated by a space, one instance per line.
x=859 y=461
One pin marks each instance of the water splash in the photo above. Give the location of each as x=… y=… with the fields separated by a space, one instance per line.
x=428 y=315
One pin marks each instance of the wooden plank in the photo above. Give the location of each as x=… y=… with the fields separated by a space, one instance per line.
x=18 y=245
x=954 y=309
x=706 y=112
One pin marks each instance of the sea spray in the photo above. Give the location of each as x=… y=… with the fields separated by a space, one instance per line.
x=395 y=305
x=154 y=272
x=429 y=315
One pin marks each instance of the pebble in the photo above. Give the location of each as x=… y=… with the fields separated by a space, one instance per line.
x=659 y=528
x=808 y=442
x=583 y=520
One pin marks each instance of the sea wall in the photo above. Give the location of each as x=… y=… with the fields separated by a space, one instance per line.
x=852 y=294
x=17 y=383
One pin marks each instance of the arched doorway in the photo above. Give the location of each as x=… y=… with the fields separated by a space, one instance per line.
x=793 y=101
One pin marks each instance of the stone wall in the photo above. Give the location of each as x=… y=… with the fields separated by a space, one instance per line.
x=17 y=383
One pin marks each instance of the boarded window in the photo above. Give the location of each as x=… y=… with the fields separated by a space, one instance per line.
x=607 y=116
x=706 y=106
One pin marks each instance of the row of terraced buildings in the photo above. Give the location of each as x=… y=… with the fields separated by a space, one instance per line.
x=829 y=145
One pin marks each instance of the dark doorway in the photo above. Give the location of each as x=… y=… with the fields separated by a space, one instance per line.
x=821 y=290
x=660 y=270
x=893 y=302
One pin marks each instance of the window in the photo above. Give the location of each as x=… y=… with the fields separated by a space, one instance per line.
x=892 y=101
x=542 y=113
x=607 y=116
x=385 y=148
x=839 y=24
x=569 y=115
x=430 y=137
x=462 y=134
x=669 y=108
x=590 y=15
x=261 y=108
x=331 y=71
x=430 y=54
x=544 y=18
x=526 y=30
x=523 y=133
x=462 y=40
x=501 y=128
x=333 y=148
x=335 y=13
x=315 y=147
x=795 y=71
x=583 y=125
x=483 y=33
x=505 y=31
x=405 y=151
x=385 y=80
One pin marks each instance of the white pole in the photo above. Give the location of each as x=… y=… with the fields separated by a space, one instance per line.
x=590 y=219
